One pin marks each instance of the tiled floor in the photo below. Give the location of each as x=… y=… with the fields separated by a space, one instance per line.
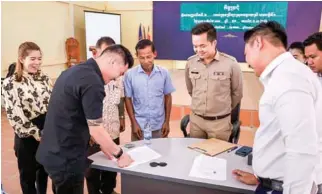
x=9 y=171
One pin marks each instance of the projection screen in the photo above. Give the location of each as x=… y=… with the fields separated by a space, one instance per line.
x=98 y=24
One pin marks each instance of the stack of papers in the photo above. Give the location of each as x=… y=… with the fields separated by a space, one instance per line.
x=142 y=155
x=207 y=167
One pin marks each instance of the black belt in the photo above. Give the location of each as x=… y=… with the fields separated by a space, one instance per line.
x=271 y=184
x=213 y=118
x=276 y=185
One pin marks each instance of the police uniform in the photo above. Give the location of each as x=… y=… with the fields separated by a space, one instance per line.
x=216 y=88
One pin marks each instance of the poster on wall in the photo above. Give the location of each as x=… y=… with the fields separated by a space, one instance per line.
x=232 y=16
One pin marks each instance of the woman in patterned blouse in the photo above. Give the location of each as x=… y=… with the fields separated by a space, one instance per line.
x=26 y=94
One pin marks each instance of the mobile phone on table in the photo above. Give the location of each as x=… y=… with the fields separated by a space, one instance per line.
x=244 y=151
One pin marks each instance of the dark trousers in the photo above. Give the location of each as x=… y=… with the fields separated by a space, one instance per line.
x=99 y=181
x=261 y=190
x=68 y=183
x=30 y=170
x=319 y=189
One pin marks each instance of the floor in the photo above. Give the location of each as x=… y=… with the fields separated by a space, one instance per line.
x=9 y=171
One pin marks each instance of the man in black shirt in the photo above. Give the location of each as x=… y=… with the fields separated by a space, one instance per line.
x=101 y=181
x=74 y=114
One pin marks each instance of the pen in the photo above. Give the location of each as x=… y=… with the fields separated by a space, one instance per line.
x=232 y=149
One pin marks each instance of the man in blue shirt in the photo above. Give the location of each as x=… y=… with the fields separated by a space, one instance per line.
x=148 y=89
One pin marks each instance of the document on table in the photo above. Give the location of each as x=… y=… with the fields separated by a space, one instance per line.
x=142 y=155
x=207 y=167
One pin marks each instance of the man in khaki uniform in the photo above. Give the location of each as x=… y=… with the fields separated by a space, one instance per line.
x=214 y=81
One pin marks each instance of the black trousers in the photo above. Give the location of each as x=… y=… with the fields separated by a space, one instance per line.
x=262 y=190
x=30 y=170
x=319 y=189
x=99 y=181
x=68 y=183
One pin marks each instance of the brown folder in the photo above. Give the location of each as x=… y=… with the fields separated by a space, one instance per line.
x=212 y=147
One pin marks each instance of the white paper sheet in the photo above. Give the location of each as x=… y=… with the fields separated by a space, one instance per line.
x=207 y=167
x=142 y=155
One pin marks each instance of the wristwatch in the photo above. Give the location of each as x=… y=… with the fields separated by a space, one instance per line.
x=119 y=154
x=122 y=117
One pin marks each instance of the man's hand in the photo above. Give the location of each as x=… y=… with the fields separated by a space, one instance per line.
x=92 y=142
x=108 y=155
x=245 y=177
x=122 y=125
x=165 y=129
x=124 y=161
x=137 y=131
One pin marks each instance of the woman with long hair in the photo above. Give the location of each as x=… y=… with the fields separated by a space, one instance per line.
x=26 y=94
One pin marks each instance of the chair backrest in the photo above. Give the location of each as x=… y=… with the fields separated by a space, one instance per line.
x=235 y=114
x=183 y=125
x=72 y=51
x=236 y=125
x=234 y=121
x=11 y=69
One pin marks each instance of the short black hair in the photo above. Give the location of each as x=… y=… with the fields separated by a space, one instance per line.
x=142 y=44
x=121 y=50
x=297 y=45
x=205 y=27
x=316 y=39
x=273 y=31
x=105 y=39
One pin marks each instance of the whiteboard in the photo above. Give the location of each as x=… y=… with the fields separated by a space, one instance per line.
x=99 y=24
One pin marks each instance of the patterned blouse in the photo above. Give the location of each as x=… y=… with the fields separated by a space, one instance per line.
x=114 y=90
x=25 y=101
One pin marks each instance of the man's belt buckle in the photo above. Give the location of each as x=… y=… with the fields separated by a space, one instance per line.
x=267 y=183
x=277 y=186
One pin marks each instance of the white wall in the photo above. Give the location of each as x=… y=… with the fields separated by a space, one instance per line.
x=29 y=21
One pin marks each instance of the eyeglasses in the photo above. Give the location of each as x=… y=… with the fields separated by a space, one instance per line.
x=155 y=164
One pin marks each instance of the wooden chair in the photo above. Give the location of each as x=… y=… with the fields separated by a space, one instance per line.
x=72 y=51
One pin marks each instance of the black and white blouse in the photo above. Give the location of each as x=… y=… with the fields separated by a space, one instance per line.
x=25 y=101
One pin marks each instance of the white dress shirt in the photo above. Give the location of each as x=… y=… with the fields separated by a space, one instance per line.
x=320 y=77
x=286 y=143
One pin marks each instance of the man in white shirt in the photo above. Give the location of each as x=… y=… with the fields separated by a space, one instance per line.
x=313 y=52
x=285 y=152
